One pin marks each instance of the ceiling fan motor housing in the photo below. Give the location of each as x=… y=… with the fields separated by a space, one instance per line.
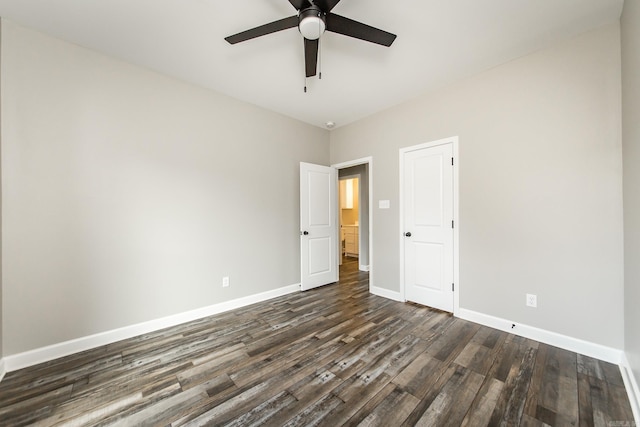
x=312 y=22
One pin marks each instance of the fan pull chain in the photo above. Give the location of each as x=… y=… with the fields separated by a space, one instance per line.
x=319 y=59
x=319 y=52
x=305 y=71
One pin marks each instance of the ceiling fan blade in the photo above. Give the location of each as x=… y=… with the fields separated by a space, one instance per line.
x=326 y=5
x=300 y=4
x=349 y=27
x=263 y=30
x=310 y=56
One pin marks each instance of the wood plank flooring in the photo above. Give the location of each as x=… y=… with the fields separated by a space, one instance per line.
x=328 y=357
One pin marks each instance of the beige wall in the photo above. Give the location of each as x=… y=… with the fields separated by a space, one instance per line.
x=121 y=187
x=128 y=195
x=631 y=151
x=540 y=185
x=1 y=317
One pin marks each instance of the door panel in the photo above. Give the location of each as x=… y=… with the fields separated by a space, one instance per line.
x=427 y=191
x=428 y=215
x=319 y=255
x=318 y=226
x=320 y=188
x=428 y=271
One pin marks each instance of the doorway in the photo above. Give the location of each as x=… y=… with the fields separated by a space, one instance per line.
x=320 y=242
x=349 y=214
x=355 y=213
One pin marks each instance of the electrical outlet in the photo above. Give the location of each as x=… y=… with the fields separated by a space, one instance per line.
x=225 y=282
x=532 y=300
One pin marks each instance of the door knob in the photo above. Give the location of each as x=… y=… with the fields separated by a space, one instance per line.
x=306 y=233
x=408 y=234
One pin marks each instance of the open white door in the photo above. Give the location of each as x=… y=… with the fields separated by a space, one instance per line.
x=428 y=222
x=318 y=225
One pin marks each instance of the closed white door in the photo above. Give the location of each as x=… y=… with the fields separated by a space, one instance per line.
x=318 y=225
x=428 y=226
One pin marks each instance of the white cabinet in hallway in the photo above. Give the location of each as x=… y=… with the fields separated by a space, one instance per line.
x=350 y=237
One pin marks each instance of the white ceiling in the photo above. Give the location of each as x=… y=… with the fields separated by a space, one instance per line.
x=438 y=42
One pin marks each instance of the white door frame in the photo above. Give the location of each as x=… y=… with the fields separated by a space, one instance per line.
x=456 y=217
x=362 y=161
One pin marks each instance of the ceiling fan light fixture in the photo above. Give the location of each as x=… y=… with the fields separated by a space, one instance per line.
x=312 y=23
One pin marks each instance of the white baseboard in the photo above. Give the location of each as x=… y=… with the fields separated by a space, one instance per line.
x=363 y=267
x=601 y=352
x=386 y=293
x=3 y=371
x=633 y=391
x=45 y=354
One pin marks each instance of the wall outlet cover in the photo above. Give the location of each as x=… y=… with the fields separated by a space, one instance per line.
x=532 y=300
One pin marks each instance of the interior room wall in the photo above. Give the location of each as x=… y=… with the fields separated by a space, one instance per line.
x=1 y=317
x=631 y=150
x=128 y=195
x=540 y=185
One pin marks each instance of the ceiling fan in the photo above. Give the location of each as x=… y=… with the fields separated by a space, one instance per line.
x=313 y=18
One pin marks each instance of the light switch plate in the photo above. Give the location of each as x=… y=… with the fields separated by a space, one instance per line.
x=384 y=204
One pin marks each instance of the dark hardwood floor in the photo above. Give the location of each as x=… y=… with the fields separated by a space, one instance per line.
x=332 y=356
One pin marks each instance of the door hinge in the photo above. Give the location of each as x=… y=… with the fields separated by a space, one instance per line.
x=452 y=161
x=453 y=287
x=452 y=224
